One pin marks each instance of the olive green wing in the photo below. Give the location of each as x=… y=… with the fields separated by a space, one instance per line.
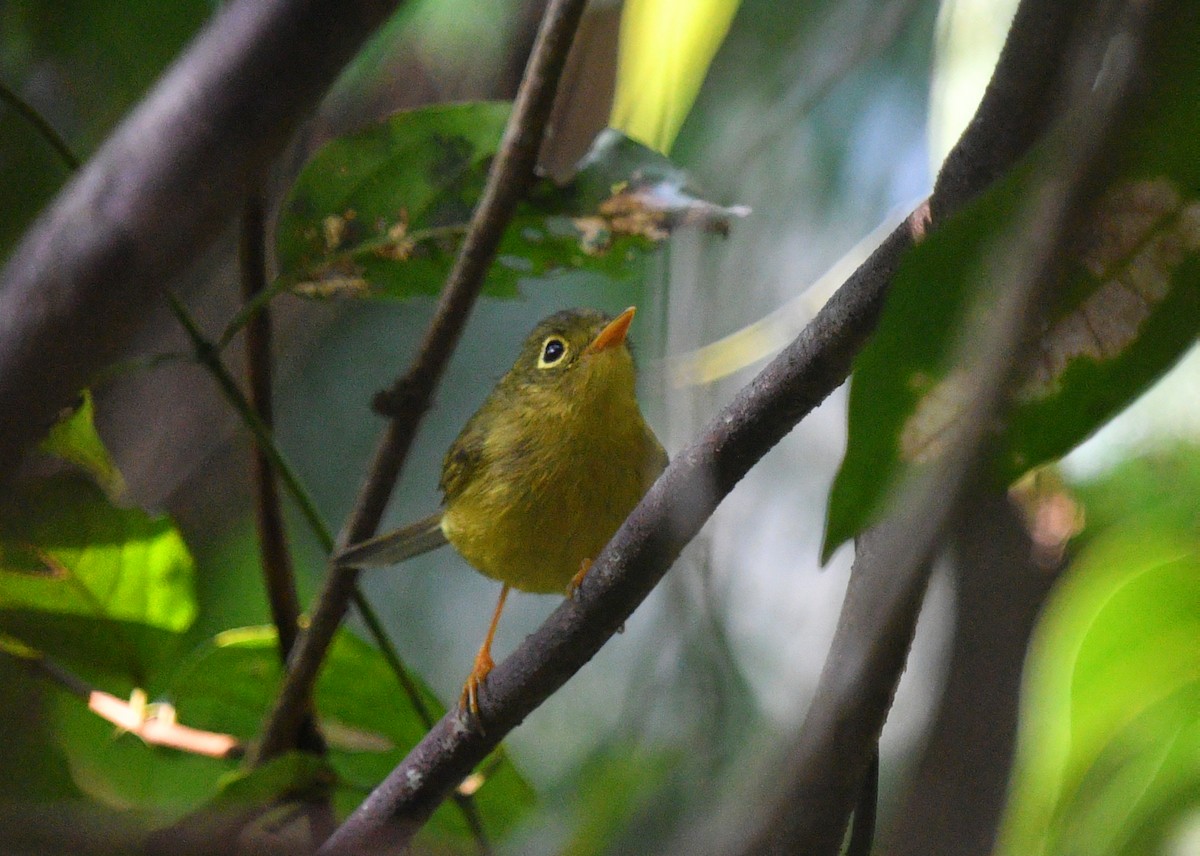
x=464 y=457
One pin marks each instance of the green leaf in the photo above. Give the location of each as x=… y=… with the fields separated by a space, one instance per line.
x=1128 y=306
x=105 y=588
x=368 y=723
x=383 y=211
x=1108 y=754
x=290 y=773
x=118 y=770
x=67 y=550
x=73 y=438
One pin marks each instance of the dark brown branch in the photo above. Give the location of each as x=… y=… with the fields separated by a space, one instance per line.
x=408 y=400
x=675 y=508
x=156 y=195
x=875 y=630
x=955 y=800
x=278 y=573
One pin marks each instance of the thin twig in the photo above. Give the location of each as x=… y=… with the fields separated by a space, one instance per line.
x=154 y=724
x=208 y=355
x=409 y=398
x=278 y=572
x=39 y=123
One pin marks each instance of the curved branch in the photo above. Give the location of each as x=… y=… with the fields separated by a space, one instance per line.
x=156 y=195
x=696 y=481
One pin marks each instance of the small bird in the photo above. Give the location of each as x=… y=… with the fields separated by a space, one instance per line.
x=544 y=473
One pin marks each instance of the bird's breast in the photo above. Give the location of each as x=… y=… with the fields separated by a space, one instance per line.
x=537 y=508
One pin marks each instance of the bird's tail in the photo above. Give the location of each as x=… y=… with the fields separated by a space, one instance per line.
x=394 y=547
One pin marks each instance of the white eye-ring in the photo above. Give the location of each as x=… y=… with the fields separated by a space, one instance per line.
x=553 y=351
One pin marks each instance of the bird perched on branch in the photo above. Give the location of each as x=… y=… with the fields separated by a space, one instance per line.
x=542 y=475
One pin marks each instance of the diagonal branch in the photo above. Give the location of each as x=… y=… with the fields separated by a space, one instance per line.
x=408 y=400
x=157 y=193
x=689 y=490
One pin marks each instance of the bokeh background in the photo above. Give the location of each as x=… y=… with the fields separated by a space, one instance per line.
x=828 y=120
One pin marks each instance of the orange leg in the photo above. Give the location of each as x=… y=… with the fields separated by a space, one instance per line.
x=483 y=661
x=577 y=580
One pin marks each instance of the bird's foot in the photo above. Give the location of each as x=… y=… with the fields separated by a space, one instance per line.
x=577 y=580
x=470 y=694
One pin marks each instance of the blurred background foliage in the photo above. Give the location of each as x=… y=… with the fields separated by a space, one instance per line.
x=826 y=119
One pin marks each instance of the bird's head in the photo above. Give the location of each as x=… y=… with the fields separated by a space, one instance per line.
x=578 y=351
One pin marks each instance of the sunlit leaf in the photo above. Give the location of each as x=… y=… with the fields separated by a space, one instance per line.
x=666 y=48
x=73 y=438
x=1110 y=742
x=105 y=587
x=66 y=549
x=1127 y=308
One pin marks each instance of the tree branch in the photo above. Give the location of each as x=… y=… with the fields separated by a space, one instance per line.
x=409 y=398
x=278 y=575
x=955 y=800
x=157 y=193
x=839 y=735
x=154 y=724
x=691 y=487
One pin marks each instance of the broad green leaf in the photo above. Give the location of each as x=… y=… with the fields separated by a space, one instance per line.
x=383 y=211
x=73 y=438
x=118 y=770
x=106 y=588
x=364 y=716
x=67 y=550
x=1109 y=746
x=1127 y=308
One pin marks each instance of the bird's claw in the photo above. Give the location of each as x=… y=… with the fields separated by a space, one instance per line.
x=470 y=694
x=577 y=580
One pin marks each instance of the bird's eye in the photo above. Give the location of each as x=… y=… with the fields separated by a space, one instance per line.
x=553 y=350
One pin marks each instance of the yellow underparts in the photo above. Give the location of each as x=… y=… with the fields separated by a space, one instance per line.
x=538 y=510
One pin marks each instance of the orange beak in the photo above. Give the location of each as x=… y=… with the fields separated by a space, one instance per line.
x=614 y=333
